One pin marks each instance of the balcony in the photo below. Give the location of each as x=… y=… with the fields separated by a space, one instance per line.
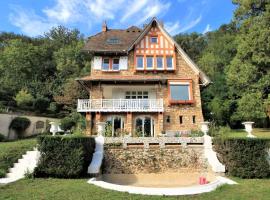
x=120 y=105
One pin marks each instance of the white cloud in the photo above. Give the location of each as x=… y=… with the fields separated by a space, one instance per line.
x=29 y=23
x=134 y=7
x=64 y=11
x=207 y=29
x=191 y=24
x=172 y=28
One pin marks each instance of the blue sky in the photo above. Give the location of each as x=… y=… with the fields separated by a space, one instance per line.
x=34 y=17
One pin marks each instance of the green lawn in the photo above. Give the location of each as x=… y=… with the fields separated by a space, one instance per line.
x=78 y=189
x=259 y=132
x=10 y=152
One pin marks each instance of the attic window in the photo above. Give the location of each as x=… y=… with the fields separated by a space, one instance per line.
x=113 y=41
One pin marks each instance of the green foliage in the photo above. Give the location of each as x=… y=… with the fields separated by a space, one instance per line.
x=64 y=156
x=20 y=124
x=244 y=157
x=108 y=130
x=69 y=122
x=41 y=104
x=196 y=133
x=23 y=98
x=2 y=137
x=12 y=151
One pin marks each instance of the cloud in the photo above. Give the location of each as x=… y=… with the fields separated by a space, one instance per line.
x=134 y=7
x=172 y=28
x=207 y=29
x=191 y=24
x=29 y=23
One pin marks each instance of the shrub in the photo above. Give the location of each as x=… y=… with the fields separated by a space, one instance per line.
x=2 y=137
x=196 y=133
x=70 y=121
x=41 y=104
x=19 y=124
x=23 y=98
x=244 y=157
x=64 y=156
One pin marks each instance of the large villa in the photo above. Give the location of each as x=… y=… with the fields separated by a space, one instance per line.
x=141 y=83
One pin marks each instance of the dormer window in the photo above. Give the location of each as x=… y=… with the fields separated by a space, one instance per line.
x=154 y=39
x=110 y=64
x=113 y=41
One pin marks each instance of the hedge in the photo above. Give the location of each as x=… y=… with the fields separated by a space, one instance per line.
x=64 y=156
x=244 y=157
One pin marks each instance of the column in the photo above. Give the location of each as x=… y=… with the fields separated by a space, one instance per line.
x=159 y=124
x=88 y=119
x=128 y=126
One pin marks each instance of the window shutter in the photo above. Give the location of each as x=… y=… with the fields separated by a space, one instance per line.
x=123 y=63
x=97 y=62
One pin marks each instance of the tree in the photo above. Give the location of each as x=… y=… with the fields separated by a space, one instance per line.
x=23 y=98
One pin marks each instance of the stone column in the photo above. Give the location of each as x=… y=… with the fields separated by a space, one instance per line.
x=128 y=126
x=98 y=117
x=88 y=118
x=159 y=124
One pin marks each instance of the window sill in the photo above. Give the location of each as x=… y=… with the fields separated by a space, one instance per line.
x=172 y=102
x=155 y=70
x=111 y=71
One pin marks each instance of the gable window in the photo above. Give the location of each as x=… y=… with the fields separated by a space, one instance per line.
x=169 y=62
x=180 y=91
x=154 y=39
x=159 y=62
x=106 y=64
x=149 y=62
x=139 y=60
x=115 y=65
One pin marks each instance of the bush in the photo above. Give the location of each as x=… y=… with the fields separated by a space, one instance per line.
x=41 y=104
x=244 y=157
x=2 y=137
x=64 y=156
x=196 y=133
x=23 y=98
x=69 y=122
x=19 y=124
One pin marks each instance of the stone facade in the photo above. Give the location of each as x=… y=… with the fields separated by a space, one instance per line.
x=185 y=111
x=153 y=160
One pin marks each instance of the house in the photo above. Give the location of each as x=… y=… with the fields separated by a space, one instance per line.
x=141 y=83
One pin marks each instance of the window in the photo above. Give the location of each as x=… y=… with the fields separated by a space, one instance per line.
x=139 y=62
x=168 y=119
x=181 y=119
x=113 y=41
x=180 y=91
x=154 y=39
x=149 y=62
x=115 y=65
x=169 y=62
x=159 y=62
x=136 y=95
x=106 y=64
x=193 y=119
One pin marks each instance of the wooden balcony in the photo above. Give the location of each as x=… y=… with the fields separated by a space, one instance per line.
x=120 y=105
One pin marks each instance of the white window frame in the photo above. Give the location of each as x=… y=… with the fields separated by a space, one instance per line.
x=162 y=58
x=118 y=64
x=140 y=68
x=181 y=83
x=103 y=63
x=172 y=68
x=147 y=67
x=151 y=41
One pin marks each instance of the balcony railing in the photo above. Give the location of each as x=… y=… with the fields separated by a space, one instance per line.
x=120 y=105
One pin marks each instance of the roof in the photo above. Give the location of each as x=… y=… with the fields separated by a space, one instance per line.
x=130 y=37
x=101 y=41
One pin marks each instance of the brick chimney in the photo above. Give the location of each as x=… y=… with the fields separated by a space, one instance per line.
x=104 y=27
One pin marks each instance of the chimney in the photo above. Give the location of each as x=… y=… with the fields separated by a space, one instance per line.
x=104 y=27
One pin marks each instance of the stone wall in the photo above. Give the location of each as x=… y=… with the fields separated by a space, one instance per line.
x=153 y=160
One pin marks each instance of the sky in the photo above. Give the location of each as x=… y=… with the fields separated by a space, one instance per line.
x=35 y=17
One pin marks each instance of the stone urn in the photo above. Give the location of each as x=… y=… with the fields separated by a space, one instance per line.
x=205 y=127
x=248 y=128
x=101 y=128
x=55 y=128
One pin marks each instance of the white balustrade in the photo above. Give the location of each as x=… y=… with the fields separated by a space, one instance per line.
x=120 y=105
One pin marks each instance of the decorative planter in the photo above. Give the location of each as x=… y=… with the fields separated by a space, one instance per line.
x=101 y=127
x=55 y=127
x=248 y=128
x=204 y=127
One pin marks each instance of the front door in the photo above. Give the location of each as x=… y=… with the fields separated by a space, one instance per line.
x=144 y=126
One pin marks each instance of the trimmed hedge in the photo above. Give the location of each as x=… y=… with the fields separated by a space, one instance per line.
x=64 y=156
x=244 y=157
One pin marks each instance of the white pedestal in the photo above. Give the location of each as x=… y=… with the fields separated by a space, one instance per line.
x=205 y=127
x=248 y=129
x=101 y=128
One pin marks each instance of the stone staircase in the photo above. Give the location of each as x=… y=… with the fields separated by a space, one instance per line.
x=26 y=164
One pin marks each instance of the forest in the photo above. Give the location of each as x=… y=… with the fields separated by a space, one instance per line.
x=37 y=74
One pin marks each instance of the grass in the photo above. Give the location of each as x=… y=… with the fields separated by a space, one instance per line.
x=10 y=152
x=55 y=189
x=259 y=132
